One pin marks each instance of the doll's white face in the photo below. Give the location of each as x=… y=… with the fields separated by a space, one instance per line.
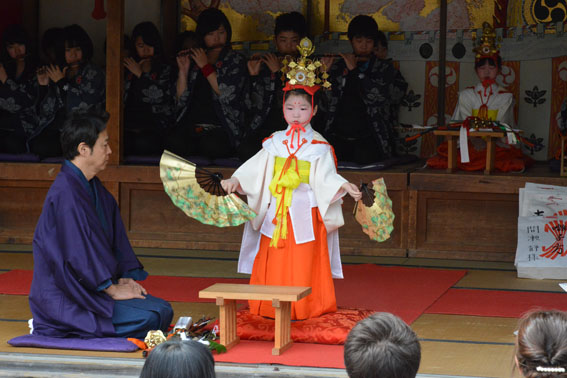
x=297 y=110
x=487 y=72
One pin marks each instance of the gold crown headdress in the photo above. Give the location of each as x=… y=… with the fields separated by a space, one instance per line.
x=304 y=73
x=487 y=48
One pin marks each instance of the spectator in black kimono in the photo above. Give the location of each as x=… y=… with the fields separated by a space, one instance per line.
x=265 y=114
x=359 y=120
x=210 y=88
x=18 y=91
x=148 y=101
x=75 y=85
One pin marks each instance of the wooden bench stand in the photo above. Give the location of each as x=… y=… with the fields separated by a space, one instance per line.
x=281 y=297
x=452 y=137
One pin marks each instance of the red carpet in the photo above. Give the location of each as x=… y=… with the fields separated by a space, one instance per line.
x=260 y=352
x=506 y=304
x=406 y=292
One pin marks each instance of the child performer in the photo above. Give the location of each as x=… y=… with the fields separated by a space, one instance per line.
x=293 y=186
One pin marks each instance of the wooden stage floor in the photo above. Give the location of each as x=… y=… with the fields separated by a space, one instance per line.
x=451 y=345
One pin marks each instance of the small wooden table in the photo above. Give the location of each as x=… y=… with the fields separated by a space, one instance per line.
x=452 y=135
x=281 y=297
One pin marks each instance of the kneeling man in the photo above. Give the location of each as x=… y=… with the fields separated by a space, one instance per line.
x=85 y=271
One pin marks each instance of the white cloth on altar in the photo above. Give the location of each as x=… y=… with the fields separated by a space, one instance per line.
x=324 y=191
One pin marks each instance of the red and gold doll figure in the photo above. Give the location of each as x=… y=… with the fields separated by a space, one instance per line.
x=479 y=107
x=293 y=185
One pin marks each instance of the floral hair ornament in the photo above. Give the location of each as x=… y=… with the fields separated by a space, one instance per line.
x=487 y=47
x=306 y=74
x=544 y=369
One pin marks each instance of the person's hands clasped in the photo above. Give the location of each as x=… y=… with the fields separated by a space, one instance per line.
x=42 y=77
x=254 y=64
x=3 y=74
x=183 y=61
x=352 y=190
x=55 y=73
x=126 y=288
x=230 y=185
x=272 y=61
x=199 y=56
x=350 y=60
x=133 y=66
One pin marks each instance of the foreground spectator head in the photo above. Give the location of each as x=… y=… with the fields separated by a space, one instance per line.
x=289 y=29
x=382 y=346
x=541 y=348
x=213 y=29
x=75 y=47
x=176 y=358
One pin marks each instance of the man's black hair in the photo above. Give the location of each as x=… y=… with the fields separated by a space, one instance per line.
x=293 y=21
x=490 y=61
x=150 y=35
x=210 y=20
x=74 y=36
x=79 y=128
x=363 y=26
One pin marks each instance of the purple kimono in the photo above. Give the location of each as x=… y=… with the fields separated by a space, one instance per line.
x=80 y=247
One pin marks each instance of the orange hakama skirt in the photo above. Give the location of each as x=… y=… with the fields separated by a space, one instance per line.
x=304 y=264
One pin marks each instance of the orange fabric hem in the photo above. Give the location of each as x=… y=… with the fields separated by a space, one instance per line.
x=294 y=264
x=506 y=159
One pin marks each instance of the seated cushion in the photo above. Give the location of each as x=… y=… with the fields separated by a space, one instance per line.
x=19 y=158
x=107 y=344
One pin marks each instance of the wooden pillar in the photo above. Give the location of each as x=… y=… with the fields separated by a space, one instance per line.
x=442 y=59
x=114 y=76
x=169 y=25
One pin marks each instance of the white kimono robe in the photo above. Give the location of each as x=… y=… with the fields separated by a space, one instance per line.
x=324 y=191
x=495 y=98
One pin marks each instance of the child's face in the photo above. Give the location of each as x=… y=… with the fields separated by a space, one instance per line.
x=216 y=38
x=286 y=43
x=16 y=51
x=297 y=110
x=144 y=50
x=73 y=55
x=487 y=72
x=362 y=46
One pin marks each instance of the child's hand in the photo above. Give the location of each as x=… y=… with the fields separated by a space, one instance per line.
x=352 y=190
x=230 y=185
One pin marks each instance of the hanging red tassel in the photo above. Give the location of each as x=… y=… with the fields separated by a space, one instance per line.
x=98 y=11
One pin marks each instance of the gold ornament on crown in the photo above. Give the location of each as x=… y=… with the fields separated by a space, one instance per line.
x=154 y=338
x=487 y=46
x=304 y=71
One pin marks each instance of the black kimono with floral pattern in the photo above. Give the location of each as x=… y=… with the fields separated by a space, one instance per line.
x=18 y=100
x=81 y=93
x=381 y=87
x=152 y=89
x=229 y=105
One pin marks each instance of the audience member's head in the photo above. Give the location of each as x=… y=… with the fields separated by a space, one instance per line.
x=213 y=29
x=176 y=358
x=147 y=42
x=75 y=47
x=49 y=42
x=382 y=346
x=381 y=48
x=363 y=34
x=82 y=130
x=15 y=47
x=186 y=40
x=289 y=29
x=541 y=347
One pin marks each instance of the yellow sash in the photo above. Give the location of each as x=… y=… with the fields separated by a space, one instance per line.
x=288 y=174
x=489 y=114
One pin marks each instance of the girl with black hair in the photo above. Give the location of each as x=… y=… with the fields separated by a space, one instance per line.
x=148 y=101
x=75 y=85
x=211 y=85
x=18 y=91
